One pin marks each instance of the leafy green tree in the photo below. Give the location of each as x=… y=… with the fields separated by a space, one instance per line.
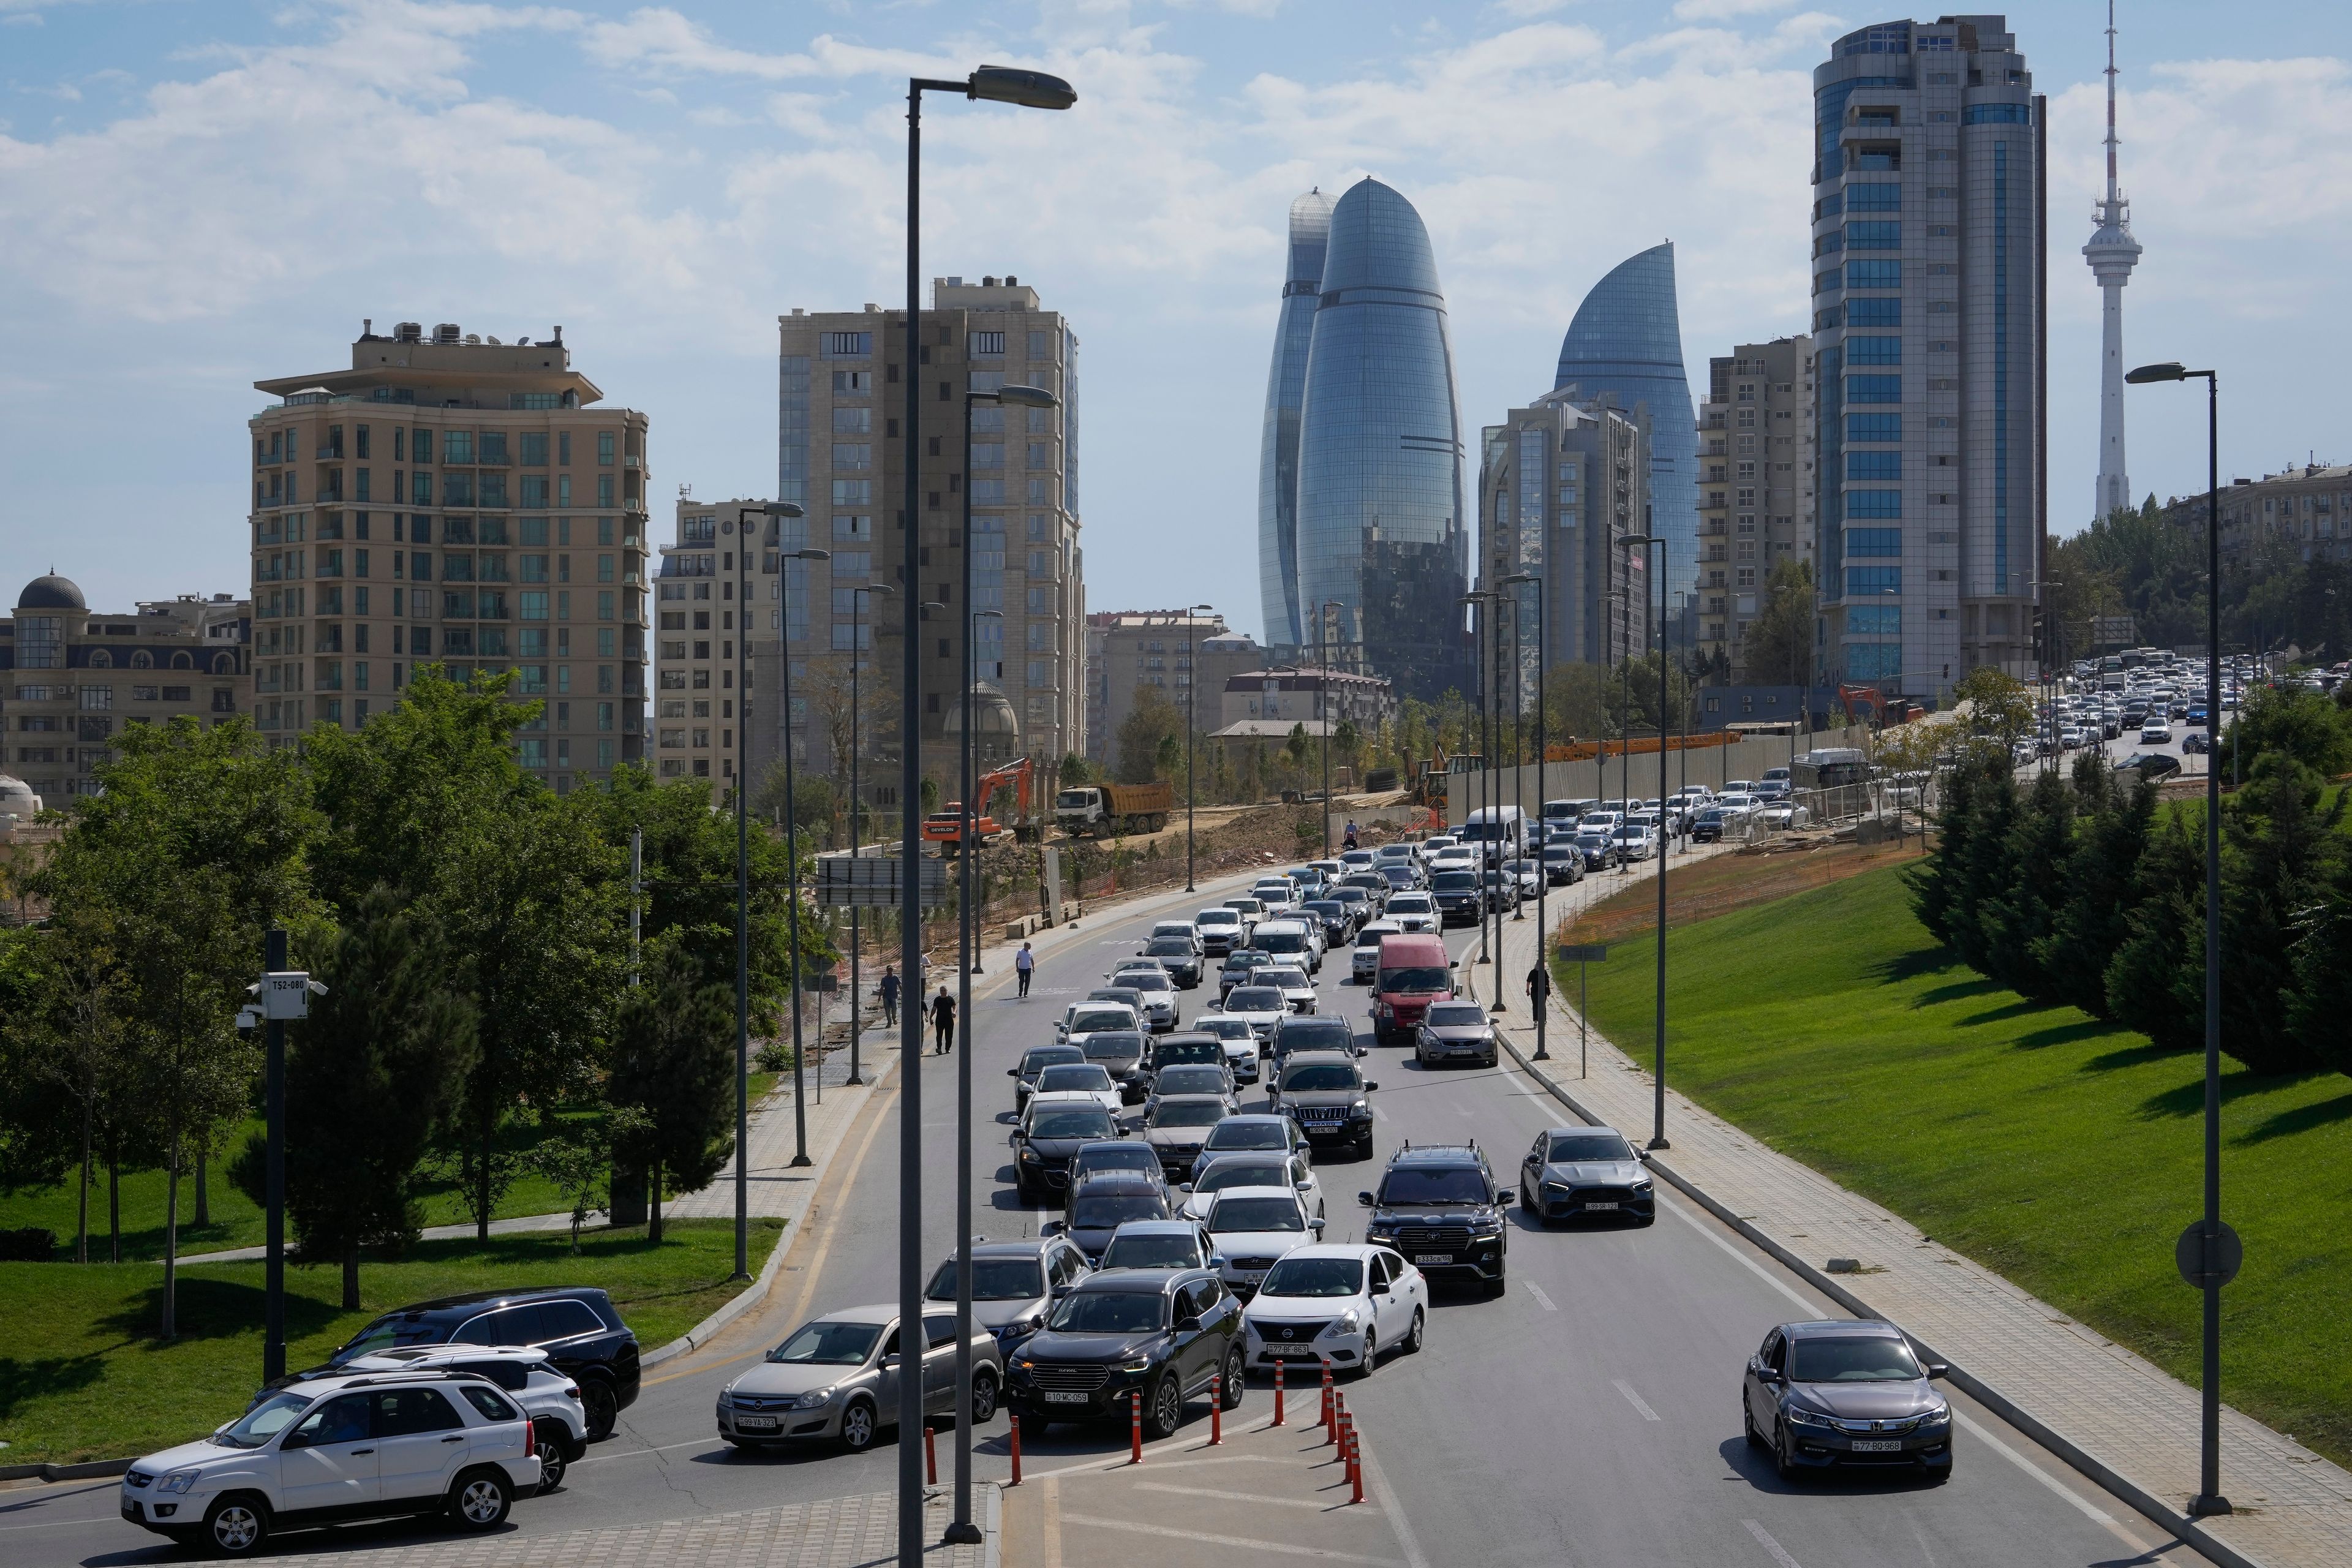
x=2301 y=728
x=371 y=1075
x=1296 y=745
x=1074 y=771
x=1777 y=648
x=2000 y=707
x=64 y=1096
x=2319 y=1001
x=1986 y=873
x=1140 y=746
x=1935 y=881
x=674 y=1064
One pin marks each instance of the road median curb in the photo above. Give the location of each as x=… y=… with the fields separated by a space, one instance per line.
x=2108 y=1478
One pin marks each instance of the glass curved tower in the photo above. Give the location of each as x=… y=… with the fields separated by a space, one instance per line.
x=1286 y=386
x=1626 y=345
x=1380 y=527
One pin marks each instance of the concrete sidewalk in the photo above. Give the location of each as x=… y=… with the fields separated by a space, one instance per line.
x=2108 y=1412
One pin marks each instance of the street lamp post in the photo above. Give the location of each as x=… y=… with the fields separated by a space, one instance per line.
x=1192 y=726
x=859 y=605
x=792 y=836
x=2217 y=1251
x=1658 y=1128
x=1030 y=89
x=741 y=529
x=1489 y=795
x=1323 y=704
x=1543 y=873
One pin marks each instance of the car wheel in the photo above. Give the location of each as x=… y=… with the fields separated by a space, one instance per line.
x=548 y=1441
x=1415 y=1335
x=1234 y=1384
x=858 y=1426
x=1782 y=1465
x=1166 y=1412
x=1748 y=1423
x=478 y=1499
x=983 y=1397
x=601 y=1407
x=1372 y=1356
x=236 y=1526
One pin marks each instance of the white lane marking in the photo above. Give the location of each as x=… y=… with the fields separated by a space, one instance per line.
x=1051 y=1506
x=1541 y=1300
x=1764 y=1539
x=1207 y=1540
x=633 y=1453
x=1745 y=1261
x=1380 y=1113
x=1232 y=1496
x=1634 y=1399
x=1984 y=1436
x=1375 y=1484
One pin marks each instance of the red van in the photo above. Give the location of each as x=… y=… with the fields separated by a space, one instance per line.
x=1414 y=972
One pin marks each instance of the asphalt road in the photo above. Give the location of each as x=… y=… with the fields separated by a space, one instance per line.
x=1589 y=1416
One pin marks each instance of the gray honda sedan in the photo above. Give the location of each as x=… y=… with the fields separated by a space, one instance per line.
x=835 y=1379
x=1846 y=1392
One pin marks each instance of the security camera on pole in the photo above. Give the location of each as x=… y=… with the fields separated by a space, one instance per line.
x=279 y=995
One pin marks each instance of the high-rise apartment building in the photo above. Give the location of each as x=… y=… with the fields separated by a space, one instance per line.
x=1186 y=659
x=1285 y=391
x=1756 y=493
x=1927 y=238
x=1625 y=346
x=1561 y=482
x=1381 y=533
x=695 y=725
x=457 y=501
x=842 y=458
x=77 y=679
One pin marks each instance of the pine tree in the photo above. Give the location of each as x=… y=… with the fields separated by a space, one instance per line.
x=2102 y=888
x=2151 y=985
x=1986 y=871
x=2039 y=851
x=2280 y=846
x=1935 y=880
x=2320 y=1002
x=674 y=1061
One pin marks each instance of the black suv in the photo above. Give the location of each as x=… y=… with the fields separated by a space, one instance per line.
x=1157 y=1334
x=576 y=1326
x=1439 y=1205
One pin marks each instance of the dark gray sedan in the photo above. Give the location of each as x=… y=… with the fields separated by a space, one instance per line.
x=1585 y=1172
x=1456 y=1031
x=1014 y=1284
x=1846 y=1392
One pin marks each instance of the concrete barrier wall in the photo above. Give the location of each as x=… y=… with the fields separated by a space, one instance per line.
x=1709 y=765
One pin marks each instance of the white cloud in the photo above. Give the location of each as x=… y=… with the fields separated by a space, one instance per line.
x=1726 y=10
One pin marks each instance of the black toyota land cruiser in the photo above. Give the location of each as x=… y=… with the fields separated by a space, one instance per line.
x=1439 y=1205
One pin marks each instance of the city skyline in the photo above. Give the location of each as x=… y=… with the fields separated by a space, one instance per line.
x=744 y=115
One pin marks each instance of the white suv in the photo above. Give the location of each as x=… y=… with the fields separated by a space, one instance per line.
x=333 y=1449
x=547 y=1394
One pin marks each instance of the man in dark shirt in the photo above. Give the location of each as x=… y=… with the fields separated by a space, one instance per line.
x=943 y=1011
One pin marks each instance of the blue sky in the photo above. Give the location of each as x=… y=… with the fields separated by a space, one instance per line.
x=200 y=192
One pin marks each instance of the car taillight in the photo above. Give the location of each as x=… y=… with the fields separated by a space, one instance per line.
x=572 y=1391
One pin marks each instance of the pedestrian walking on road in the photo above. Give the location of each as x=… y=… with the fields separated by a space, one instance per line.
x=943 y=1023
x=1538 y=986
x=888 y=992
x=1024 y=964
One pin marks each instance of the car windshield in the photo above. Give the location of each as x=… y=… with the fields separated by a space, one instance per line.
x=1233 y=1215
x=1250 y=1132
x=1253 y=999
x=993 y=1279
x=1573 y=1147
x=1307 y=1077
x=829 y=1344
x=1217 y=917
x=1109 y=1313
x=1146 y=980
x=1108 y=1211
x=1454 y=881
x=1044 y=1056
x=1456 y=1016
x=1113 y=1155
x=1072 y=1122
x=1114 y=1045
x=1191 y=1078
x=1414 y=1184
x=1169 y=947
x=1317 y=1035
x=1062 y=1076
x=1089 y=1019
x=385 y=1333
x=1282 y=979
x=1315 y=1277
x=263 y=1422
x=1153 y=1249
x=1242 y=1174
x=1853 y=1359
x=1408 y=904
x=1224 y=1028
x=1187 y=1113
x=1414 y=977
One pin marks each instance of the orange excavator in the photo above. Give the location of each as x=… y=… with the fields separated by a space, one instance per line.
x=945 y=827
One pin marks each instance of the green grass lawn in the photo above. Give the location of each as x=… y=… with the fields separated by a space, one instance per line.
x=2063 y=1152
x=81 y=1375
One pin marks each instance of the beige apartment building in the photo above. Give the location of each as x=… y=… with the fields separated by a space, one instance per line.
x=1757 y=455
x=841 y=457
x=457 y=501
x=2306 y=510
x=77 y=679
x=1187 y=659
x=695 y=726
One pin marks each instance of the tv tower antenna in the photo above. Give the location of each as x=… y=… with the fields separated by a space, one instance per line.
x=2111 y=254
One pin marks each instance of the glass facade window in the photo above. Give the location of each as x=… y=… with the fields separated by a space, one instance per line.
x=1874 y=389
x=1998 y=114
x=1873 y=351
x=1873 y=427
x=1874 y=310
x=1874 y=661
x=1861 y=542
x=1873 y=197
x=792 y=431
x=1874 y=275
x=1873 y=465
x=1873 y=237
x=1873 y=503
x=1874 y=621
x=1874 y=580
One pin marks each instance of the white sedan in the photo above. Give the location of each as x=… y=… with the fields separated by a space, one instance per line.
x=1414 y=913
x=1238 y=1039
x=1091 y=1079
x=1259 y=1006
x=1254 y=1228
x=2156 y=732
x=1298 y=991
x=1344 y=1301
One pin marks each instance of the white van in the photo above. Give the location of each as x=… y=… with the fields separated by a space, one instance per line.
x=1296 y=941
x=1500 y=831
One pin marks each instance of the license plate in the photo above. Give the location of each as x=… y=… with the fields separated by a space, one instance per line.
x=1065 y=1396
x=1308 y=1351
x=756 y=1422
x=1608 y=1206
x=1250 y=1276
x=1876 y=1446
x=1432 y=1258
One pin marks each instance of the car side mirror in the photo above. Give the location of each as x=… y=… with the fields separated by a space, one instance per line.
x=1014 y=1140
x=1315 y=1225
x=1381 y=1289
x=1504 y=1200
x=1642 y=1155
x=1188 y=1325
x=1060 y=1291
x=1453 y=964
x=889 y=1361
x=1011 y=1072
x=1938 y=1371
x=1216 y=1261
x=1124 y=1129
x=1370 y=1086
x=292 y=1441
x=1365 y=1199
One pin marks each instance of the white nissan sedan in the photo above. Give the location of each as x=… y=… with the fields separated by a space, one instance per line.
x=1346 y=1302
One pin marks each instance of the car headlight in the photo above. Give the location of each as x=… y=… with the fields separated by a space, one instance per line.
x=1028 y=1154
x=1486 y=1228
x=1551 y=1186
x=1798 y=1415
x=1642 y=1185
x=1136 y=1363
x=1941 y=1416
x=1351 y=1321
x=1379 y=1237
x=813 y=1399
x=1361 y=1109
x=177 y=1481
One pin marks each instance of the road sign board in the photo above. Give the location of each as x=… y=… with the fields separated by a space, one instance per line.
x=2209 y=1258
x=286 y=994
x=873 y=881
x=1573 y=952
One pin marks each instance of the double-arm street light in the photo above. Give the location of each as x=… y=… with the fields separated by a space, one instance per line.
x=2217 y=1250
x=741 y=527
x=792 y=830
x=1192 y=726
x=1644 y=540
x=1543 y=873
x=1028 y=90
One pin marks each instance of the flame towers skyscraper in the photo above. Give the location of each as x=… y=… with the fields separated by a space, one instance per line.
x=1286 y=388
x=2112 y=253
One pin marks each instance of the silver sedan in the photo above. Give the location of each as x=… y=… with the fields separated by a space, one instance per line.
x=835 y=1379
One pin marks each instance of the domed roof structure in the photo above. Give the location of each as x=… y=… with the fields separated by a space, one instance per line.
x=18 y=799
x=994 y=722
x=52 y=592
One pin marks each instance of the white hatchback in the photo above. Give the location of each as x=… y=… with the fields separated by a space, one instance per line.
x=375 y=1446
x=1254 y=1228
x=1342 y=1302
x=1413 y=912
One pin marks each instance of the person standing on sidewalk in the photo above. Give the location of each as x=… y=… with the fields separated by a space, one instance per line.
x=888 y=992
x=1538 y=986
x=1024 y=964
x=942 y=1022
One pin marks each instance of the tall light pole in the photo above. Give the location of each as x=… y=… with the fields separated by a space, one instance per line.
x=1323 y=705
x=1031 y=89
x=858 y=643
x=1191 y=727
x=1488 y=796
x=1644 y=540
x=1519 y=761
x=1543 y=875
x=791 y=834
x=2217 y=1250
x=741 y=529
